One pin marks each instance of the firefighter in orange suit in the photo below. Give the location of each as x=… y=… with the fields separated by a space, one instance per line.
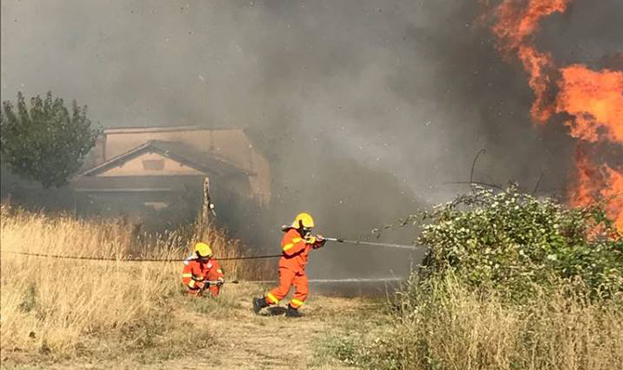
x=296 y=244
x=202 y=272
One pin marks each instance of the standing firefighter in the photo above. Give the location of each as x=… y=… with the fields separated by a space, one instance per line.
x=296 y=244
x=201 y=272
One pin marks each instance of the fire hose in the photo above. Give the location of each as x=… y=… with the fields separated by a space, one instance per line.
x=130 y=259
x=329 y=239
x=217 y=282
x=359 y=242
x=208 y=283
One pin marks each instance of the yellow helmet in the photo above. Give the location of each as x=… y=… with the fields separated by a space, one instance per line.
x=304 y=220
x=203 y=249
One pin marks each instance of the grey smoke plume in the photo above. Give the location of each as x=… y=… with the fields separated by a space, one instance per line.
x=365 y=107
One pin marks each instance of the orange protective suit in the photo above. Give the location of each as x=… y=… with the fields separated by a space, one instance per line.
x=196 y=272
x=292 y=268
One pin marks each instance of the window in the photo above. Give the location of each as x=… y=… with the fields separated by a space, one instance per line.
x=153 y=164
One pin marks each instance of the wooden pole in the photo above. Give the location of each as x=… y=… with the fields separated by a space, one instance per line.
x=206 y=206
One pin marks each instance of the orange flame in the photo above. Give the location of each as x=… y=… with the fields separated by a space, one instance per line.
x=595 y=100
x=595 y=182
x=585 y=188
x=614 y=189
x=592 y=99
x=517 y=23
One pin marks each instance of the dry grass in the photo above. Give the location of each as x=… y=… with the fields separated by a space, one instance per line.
x=58 y=308
x=450 y=327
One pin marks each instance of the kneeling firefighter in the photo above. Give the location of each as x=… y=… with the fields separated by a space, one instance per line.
x=202 y=272
x=296 y=245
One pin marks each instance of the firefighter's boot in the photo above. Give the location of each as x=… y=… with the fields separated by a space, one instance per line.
x=258 y=304
x=292 y=312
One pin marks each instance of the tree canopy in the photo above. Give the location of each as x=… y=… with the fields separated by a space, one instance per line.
x=45 y=141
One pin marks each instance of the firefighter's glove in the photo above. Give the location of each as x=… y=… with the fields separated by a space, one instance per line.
x=220 y=282
x=316 y=241
x=310 y=240
x=200 y=284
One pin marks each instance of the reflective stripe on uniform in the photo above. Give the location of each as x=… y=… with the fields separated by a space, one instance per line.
x=187 y=275
x=219 y=271
x=191 y=283
x=198 y=278
x=297 y=302
x=296 y=240
x=272 y=298
x=288 y=246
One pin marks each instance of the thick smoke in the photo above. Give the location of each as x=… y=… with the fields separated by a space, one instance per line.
x=365 y=108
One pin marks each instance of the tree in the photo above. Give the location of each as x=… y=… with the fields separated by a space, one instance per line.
x=45 y=142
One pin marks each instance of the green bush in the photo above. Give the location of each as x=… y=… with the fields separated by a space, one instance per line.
x=511 y=282
x=514 y=242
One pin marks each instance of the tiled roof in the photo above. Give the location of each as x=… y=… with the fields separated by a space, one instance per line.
x=200 y=161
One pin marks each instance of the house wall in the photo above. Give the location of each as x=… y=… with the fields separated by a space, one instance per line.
x=136 y=167
x=230 y=145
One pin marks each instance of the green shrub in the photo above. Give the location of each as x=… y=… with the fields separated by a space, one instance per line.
x=514 y=242
x=511 y=282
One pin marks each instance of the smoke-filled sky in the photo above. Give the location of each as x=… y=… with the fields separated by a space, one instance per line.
x=364 y=107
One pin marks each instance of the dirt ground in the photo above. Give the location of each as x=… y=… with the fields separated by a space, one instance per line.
x=237 y=338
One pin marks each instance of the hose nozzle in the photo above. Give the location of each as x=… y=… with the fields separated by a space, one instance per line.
x=338 y=240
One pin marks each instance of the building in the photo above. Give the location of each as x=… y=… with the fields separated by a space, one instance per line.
x=131 y=170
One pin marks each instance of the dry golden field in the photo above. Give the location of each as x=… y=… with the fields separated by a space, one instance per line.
x=57 y=309
x=448 y=326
